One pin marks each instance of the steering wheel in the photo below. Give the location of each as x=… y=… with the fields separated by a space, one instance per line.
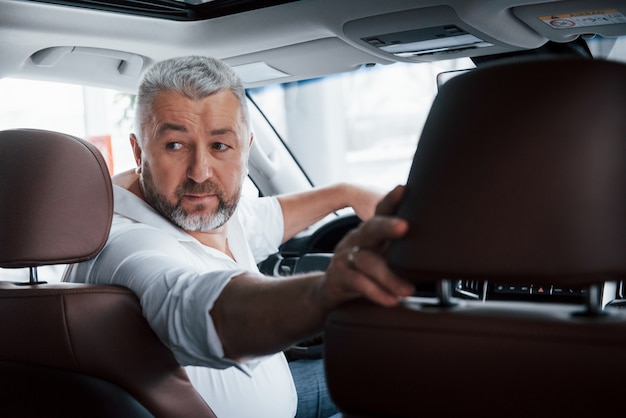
x=309 y=253
x=326 y=237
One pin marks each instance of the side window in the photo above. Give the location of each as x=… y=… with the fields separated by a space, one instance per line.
x=101 y=116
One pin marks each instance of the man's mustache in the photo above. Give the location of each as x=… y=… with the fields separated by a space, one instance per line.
x=206 y=187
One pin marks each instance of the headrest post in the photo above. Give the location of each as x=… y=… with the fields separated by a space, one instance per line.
x=593 y=304
x=444 y=293
x=34 y=277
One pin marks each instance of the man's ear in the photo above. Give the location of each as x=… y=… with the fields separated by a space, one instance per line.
x=137 y=152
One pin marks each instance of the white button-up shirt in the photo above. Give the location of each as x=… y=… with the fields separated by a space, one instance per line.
x=178 y=279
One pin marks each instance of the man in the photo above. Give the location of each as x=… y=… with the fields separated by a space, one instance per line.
x=185 y=243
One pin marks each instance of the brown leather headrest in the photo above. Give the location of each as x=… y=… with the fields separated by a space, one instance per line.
x=56 y=199
x=520 y=174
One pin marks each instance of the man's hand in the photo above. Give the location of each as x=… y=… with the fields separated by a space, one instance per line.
x=363 y=200
x=358 y=267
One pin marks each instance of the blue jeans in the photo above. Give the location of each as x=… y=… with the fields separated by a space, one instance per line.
x=313 y=398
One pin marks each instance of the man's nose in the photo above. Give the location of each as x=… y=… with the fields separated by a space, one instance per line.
x=200 y=166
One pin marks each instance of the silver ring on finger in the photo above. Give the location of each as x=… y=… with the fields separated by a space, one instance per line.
x=350 y=257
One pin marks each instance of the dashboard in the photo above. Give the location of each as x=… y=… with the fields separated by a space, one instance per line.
x=313 y=252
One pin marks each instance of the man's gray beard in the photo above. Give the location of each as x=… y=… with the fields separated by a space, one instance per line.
x=201 y=223
x=179 y=216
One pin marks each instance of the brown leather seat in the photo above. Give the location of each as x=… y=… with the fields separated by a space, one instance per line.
x=519 y=177
x=70 y=349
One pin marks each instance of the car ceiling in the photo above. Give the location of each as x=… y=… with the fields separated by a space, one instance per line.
x=277 y=41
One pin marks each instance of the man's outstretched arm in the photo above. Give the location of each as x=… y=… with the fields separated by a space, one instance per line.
x=256 y=315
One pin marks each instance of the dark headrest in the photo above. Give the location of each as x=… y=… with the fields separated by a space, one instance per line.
x=520 y=173
x=56 y=199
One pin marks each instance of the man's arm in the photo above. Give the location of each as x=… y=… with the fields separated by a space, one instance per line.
x=300 y=210
x=255 y=315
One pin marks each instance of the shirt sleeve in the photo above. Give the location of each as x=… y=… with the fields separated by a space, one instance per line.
x=263 y=223
x=176 y=299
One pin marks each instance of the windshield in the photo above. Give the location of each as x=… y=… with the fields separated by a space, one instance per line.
x=360 y=127
x=363 y=126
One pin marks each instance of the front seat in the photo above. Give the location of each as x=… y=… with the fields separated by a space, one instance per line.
x=72 y=350
x=519 y=178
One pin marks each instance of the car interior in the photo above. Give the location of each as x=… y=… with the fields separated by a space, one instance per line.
x=515 y=199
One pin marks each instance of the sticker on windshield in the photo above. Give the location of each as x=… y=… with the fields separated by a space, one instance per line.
x=584 y=19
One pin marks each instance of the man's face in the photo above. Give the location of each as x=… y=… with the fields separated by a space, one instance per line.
x=193 y=159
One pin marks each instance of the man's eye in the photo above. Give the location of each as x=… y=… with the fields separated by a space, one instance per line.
x=173 y=146
x=218 y=146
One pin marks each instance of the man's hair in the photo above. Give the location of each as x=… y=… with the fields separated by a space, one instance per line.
x=195 y=77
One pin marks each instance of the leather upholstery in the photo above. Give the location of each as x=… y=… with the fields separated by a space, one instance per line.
x=66 y=394
x=56 y=199
x=85 y=339
x=520 y=172
x=498 y=359
x=519 y=177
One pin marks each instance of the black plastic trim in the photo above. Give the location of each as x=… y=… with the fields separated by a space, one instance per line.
x=171 y=9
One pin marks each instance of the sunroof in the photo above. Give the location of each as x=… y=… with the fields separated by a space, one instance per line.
x=172 y=9
x=195 y=2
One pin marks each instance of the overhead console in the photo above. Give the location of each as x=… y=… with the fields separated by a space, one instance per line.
x=443 y=32
x=422 y=35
